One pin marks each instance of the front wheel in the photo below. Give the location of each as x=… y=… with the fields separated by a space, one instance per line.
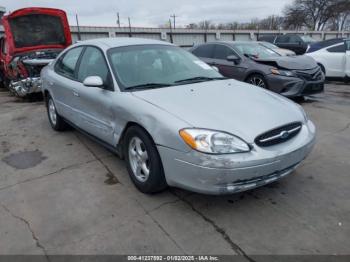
x=257 y=80
x=143 y=161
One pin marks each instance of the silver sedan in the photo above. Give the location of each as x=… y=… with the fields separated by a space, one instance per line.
x=175 y=120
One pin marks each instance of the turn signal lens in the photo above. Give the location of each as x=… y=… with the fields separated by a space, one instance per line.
x=188 y=139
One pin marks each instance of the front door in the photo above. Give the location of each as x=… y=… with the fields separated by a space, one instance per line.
x=227 y=68
x=94 y=104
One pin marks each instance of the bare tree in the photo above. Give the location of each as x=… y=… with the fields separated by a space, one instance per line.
x=314 y=14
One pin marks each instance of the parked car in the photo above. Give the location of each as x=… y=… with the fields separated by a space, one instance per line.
x=281 y=51
x=33 y=38
x=294 y=42
x=291 y=76
x=174 y=119
x=333 y=56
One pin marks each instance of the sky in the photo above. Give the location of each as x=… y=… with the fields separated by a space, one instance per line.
x=152 y=13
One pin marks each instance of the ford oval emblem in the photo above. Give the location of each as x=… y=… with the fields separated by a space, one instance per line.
x=284 y=134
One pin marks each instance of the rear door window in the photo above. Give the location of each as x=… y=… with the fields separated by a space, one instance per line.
x=67 y=63
x=205 y=51
x=294 y=39
x=282 y=39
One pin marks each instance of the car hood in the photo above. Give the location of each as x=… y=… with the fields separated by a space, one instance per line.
x=32 y=29
x=290 y=62
x=226 y=105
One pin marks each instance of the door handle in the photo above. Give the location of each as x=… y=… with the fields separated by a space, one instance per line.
x=75 y=93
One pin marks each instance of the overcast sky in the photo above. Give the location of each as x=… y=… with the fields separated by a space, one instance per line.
x=152 y=13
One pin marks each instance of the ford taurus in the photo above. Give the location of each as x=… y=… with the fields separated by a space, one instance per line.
x=175 y=120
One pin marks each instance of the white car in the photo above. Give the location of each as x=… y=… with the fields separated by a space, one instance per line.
x=333 y=56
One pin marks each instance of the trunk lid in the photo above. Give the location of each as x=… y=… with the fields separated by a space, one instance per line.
x=32 y=29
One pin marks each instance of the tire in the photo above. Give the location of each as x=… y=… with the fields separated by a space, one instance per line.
x=257 y=80
x=56 y=121
x=143 y=161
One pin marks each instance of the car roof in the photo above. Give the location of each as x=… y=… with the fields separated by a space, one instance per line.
x=230 y=42
x=324 y=44
x=107 y=43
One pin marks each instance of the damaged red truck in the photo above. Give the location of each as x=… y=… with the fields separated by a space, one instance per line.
x=33 y=38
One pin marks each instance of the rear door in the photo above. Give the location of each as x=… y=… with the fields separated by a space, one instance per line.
x=94 y=104
x=62 y=82
x=227 y=68
x=347 y=67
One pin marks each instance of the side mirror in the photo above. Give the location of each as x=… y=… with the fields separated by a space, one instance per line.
x=93 y=81
x=233 y=58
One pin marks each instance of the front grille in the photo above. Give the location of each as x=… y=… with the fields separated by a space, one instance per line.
x=278 y=135
x=310 y=74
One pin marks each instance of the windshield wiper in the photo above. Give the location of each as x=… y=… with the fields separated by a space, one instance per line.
x=148 y=86
x=200 y=79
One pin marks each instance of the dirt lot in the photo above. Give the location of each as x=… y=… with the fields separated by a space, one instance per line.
x=61 y=193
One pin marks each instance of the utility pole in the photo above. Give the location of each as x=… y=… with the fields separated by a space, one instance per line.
x=76 y=18
x=118 y=20
x=174 y=19
x=130 y=35
x=171 y=32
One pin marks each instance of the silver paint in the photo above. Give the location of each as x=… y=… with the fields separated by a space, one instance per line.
x=231 y=106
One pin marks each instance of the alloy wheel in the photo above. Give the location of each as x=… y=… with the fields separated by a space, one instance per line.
x=139 y=161
x=52 y=112
x=257 y=81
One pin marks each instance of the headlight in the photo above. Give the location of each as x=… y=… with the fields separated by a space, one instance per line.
x=213 y=142
x=276 y=71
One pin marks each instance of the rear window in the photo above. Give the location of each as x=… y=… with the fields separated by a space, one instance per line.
x=37 y=29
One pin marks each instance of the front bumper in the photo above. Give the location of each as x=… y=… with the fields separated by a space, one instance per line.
x=294 y=86
x=226 y=174
x=26 y=86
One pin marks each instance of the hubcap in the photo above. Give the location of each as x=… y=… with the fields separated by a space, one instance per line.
x=257 y=81
x=138 y=158
x=52 y=112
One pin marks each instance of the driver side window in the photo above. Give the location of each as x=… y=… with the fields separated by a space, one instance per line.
x=93 y=63
x=222 y=52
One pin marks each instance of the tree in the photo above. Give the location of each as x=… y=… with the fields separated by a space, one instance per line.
x=314 y=14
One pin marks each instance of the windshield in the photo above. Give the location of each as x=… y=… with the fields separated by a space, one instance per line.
x=255 y=50
x=307 y=39
x=152 y=66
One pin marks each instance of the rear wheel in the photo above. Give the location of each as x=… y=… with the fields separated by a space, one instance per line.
x=143 y=161
x=56 y=121
x=257 y=80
